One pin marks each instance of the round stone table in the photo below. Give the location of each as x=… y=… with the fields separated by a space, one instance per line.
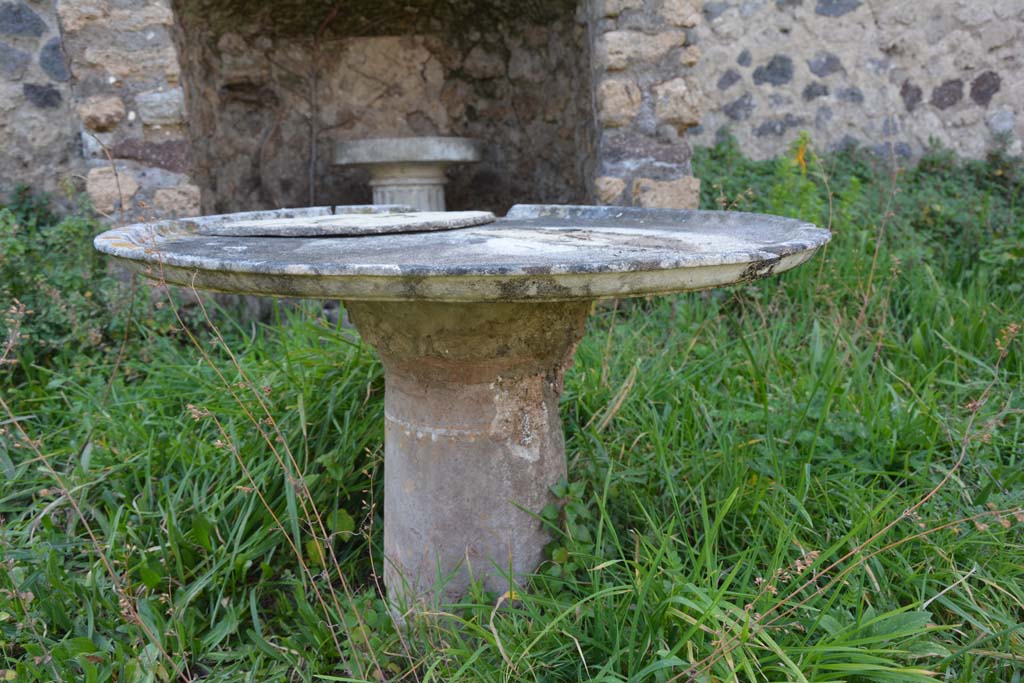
x=408 y=171
x=475 y=327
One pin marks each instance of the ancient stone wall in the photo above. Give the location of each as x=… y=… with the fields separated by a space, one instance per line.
x=38 y=131
x=128 y=100
x=645 y=99
x=266 y=109
x=885 y=74
x=588 y=101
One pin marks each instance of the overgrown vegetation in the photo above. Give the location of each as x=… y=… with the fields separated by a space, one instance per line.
x=812 y=478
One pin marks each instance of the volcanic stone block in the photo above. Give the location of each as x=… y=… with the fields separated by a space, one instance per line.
x=101 y=113
x=778 y=71
x=677 y=102
x=616 y=50
x=836 y=8
x=618 y=101
x=161 y=108
x=42 y=96
x=109 y=190
x=682 y=193
x=13 y=62
x=51 y=59
x=18 y=19
x=948 y=94
x=984 y=87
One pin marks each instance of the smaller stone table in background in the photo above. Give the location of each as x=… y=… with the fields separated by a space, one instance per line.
x=408 y=171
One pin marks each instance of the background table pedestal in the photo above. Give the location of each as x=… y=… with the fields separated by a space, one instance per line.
x=420 y=186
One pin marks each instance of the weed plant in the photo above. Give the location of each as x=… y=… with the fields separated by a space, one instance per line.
x=816 y=477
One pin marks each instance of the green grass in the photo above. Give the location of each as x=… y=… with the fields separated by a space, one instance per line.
x=816 y=477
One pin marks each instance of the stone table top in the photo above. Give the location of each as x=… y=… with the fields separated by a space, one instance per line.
x=405 y=150
x=535 y=253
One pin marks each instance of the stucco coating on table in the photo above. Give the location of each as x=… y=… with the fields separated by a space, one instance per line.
x=544 y=253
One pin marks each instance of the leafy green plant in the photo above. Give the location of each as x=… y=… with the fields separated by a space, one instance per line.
x=65 y=304
x=30 y=208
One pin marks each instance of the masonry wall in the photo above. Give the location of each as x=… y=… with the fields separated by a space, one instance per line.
x=38 y=128
x=128 y=101
x=596 y=100
x=885 y=74
x=266 y=109
x=90 y=100
x=160 y=108
x=645 y=101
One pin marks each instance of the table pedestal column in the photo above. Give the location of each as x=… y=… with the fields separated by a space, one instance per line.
x=473 y=438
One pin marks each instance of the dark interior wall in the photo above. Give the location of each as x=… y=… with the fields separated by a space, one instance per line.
x=262 y=84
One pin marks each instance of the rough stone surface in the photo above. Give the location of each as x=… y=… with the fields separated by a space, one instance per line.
x=948 y=94
x=140 y=15
x=911 y=95
x=43 y=96
x=683 y=193
x=160 y=108
x=891 y=75
x=728 y=79
x=677 y=102
x=715 y=9
x=170 y=154
x=824 y=64
x=778 y=71
x=654 y=47
x=101 y=113
x=52 y=61
x=111 y=190
x=883 y=73
x=609 y=189
x=616 y=50
x=484 y=64
x=814 y=90
x=1001 y=122
x=13 y=62
x=618 y=102
x=683 y=13
x=154 y=65
x=613 y=8
x=984 y=88
x=851 y=94
x=740 y=108
x=690 y=55
x=836 y=8
x=778 y=126
x=18 y=19
x=177 y=202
